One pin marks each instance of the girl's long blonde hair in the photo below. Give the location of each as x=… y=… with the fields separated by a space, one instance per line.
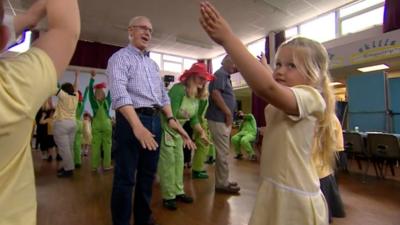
x=193 y=91
x=312 y=60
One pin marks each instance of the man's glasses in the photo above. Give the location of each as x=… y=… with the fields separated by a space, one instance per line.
x=143 y=28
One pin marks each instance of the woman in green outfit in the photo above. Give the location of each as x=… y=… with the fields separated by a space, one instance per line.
x=185 y=97
x=101 y=124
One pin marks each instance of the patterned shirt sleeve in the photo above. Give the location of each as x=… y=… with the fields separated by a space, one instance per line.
x=117 y=72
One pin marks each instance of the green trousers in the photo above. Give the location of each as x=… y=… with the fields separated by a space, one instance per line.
x=202 y=151
x=243 y=140
x=101 y=140
x=170 y=165
x=78 y=143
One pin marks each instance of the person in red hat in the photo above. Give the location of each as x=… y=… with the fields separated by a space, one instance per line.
x=101 y=124
x=185 y=98
x=79 y=127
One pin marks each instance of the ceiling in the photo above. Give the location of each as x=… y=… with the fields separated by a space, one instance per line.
x=175 y=22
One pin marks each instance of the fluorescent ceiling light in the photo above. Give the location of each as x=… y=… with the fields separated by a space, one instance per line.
x=373 y=68
x=335 y=83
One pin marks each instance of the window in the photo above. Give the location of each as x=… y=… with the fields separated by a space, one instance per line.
x=216 y=62
x=156 y=57
x=291 y=32
x=320 y=29
x=24 y=43
x=187 y=63
x=257 y=47
x=362 y=21
x=172 y=58
x=172 y=67
x=358 y=6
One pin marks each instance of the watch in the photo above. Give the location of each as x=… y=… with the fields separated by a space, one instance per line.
x=170 y=118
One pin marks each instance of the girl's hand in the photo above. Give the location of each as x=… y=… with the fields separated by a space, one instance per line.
x=263 y=59
x=213 y=23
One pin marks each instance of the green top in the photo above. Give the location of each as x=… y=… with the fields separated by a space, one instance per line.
x=177 y=95
x=96 y=104
x=81 y=105
x=249 y=124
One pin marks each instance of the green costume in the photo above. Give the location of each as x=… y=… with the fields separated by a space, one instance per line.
x=247 y=134
x=78 y=135
x=203 y=149
x=170 y=164
x=101 y=129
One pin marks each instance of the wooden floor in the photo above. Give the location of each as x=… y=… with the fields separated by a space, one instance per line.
x=84 y=199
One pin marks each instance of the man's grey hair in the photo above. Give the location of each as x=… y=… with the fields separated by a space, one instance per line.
x=136 y=19
x=226 y=59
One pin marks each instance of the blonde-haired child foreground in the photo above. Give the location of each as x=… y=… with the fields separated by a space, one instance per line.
x=301 y=106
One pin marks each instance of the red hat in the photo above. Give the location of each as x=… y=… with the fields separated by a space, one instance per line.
x=198 y=69
x=80 y=95
x=100 y=85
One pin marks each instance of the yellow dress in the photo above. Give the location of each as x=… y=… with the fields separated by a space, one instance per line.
x=289 y=192
x=87 y=132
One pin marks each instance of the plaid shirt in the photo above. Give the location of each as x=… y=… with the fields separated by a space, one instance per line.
x=135 y=80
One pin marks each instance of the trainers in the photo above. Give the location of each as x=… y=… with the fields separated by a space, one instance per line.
x=58 y=158
x=199 y=174
x=230 y=189
x=169 y=204
x=239 y=156
x=184 y=198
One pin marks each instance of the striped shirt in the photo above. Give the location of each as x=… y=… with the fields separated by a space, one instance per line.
x=135 y=80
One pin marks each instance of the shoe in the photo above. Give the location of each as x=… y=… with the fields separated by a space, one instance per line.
x=58 y=158
x=50 y=158
x=187 y=165
x=230 y=189
x=239 y=156
x=169 y=204
x=108 y=168
x=65 y=173
x=60 y=170
x=253 y=158
x=210 y=160
x=199 y=174
x=184 y=198
x=233 y=184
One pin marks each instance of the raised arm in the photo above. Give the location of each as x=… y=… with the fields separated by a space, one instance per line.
x=60 y=40
x=92 y=98
x=252 y=71
x=30 y=18
x=76 y=82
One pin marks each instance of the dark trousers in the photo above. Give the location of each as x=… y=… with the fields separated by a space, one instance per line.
x=130 y=160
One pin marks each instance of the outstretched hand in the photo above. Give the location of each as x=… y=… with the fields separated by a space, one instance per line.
x=213 y=23
x=263 y=59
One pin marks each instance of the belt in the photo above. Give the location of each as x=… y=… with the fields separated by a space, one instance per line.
x=149 y=111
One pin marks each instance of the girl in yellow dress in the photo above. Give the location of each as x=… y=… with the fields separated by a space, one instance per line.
x=301 y=107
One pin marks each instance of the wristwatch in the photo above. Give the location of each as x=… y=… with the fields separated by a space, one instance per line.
x=170 y=118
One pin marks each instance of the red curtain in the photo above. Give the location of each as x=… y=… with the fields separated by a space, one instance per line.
x=391 y=15
x=258 y=104
x=92 y=54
